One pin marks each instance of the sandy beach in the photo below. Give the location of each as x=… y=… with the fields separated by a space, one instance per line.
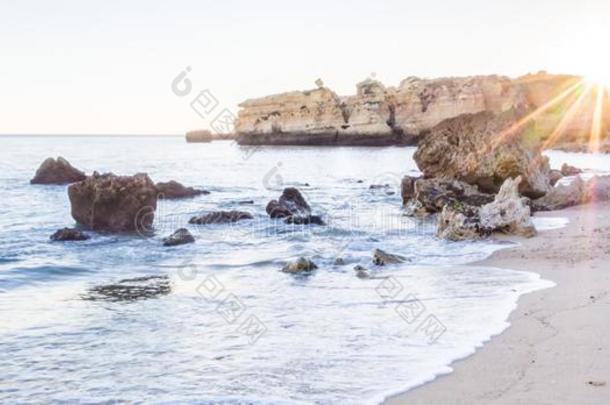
x=557 y=347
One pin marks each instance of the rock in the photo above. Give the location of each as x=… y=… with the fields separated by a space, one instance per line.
x=427 y=196
x=290 y=203
x=381 y=258
x=199 y=136
x=561 y=196
x=245 y=202
x=305 y=220
x=220 y=217
x=459 y=222
x=110 y=203
x=555 y=176
x=301 y=265
x=180 y=237
x=172 y=190
x=596 y=189
x=509 y=212
x=57 y=171
x=204 y=135
x=362 y=272
x=568 y=170
x=378 y=186
x=69 y=234
x=474 y=149
x=339 y=261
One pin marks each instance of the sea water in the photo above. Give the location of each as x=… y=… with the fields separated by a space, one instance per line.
x=220 y=323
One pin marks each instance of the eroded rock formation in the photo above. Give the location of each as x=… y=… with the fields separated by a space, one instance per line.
x=508 y=213
x=57 y=171
x=476 y=150
x=111 y=203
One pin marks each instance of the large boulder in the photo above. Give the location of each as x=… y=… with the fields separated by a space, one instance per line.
x=508 y=213
x=478 y=149
x=173 y=190
x=427 y=196
x=290 y=203
x=111 y=203
x=57 y=171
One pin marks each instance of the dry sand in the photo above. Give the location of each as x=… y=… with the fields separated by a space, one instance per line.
x=557 y=349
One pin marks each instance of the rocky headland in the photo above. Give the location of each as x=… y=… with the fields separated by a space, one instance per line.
x=378 y=115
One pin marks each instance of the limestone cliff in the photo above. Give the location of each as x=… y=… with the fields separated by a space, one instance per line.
x=379 y=115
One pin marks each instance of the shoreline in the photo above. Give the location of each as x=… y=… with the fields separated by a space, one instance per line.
x=552 y=350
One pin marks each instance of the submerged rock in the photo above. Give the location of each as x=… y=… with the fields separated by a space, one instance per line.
x=172 y=190
x=180 y=237
x=381 y=258
x=362 y=272
x=305 y=220
x=57 y=171
x=111 y=203
x=339 y=261
x=132 y=289
x=69 y=234
x=301 y=265
x=220 y=217
x=290 y=203
x=477 y=149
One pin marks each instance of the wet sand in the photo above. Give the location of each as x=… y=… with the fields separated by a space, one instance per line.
x=557 y=349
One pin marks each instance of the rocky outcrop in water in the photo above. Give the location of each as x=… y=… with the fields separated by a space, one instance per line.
x=69 y=234
x=301 y=265
x=508 y=213
x=473 y=149
x=305 y=220
x=111 y=203
x=174 y=190
x=202 y=135
x=181 y=237
x=428 y=196
x=220 y=217
x=290 y=203
x=57 y=171
x=381 y=258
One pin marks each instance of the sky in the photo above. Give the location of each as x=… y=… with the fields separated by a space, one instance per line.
x=107 y=67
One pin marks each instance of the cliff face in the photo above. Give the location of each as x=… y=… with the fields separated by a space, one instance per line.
x=380 y=115
x=375 y=112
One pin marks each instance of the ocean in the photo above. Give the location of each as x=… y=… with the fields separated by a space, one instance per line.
x=216 y=321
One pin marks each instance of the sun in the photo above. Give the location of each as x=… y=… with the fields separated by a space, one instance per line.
x=598 y=74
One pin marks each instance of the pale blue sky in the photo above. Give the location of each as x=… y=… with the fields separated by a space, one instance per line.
x=106 y=66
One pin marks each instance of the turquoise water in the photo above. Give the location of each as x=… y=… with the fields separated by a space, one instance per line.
x=232 y=328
